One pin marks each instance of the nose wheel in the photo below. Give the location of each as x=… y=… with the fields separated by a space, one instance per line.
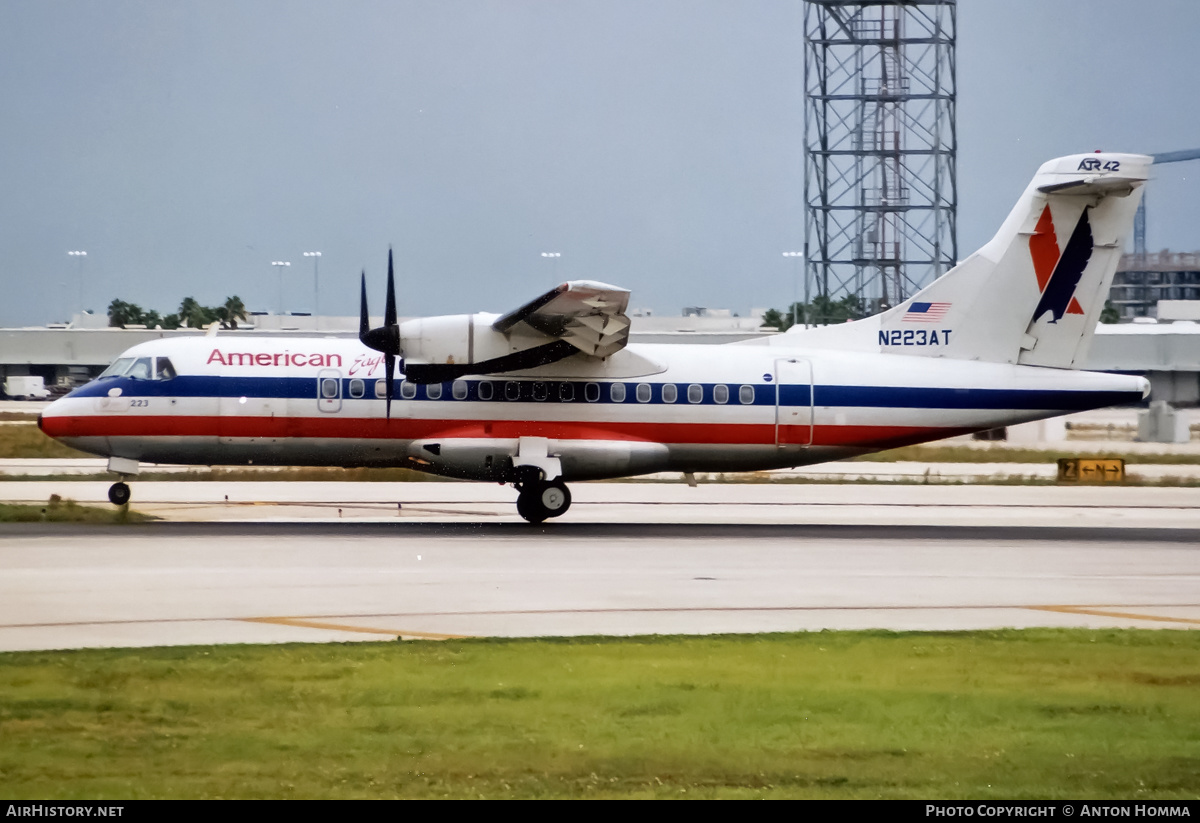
x=539 y=500
x=118 y=494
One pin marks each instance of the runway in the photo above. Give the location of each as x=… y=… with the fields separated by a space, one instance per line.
x=643 y=567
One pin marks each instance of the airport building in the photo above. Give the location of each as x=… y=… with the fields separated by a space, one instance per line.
x=1142 y=281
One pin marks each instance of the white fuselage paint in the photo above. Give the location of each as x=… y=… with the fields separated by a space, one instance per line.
x=319 y=402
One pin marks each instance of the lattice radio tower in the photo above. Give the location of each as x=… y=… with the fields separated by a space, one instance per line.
x=880 y=150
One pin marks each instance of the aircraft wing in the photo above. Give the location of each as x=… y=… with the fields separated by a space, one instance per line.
x=584 y=313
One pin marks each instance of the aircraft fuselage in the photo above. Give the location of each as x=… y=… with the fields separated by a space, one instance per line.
x=319 y=402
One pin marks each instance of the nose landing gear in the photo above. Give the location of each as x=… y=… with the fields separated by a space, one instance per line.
x=118 y=494
x=539 y=499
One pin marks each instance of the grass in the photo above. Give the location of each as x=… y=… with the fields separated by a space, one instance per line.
x=974 y=454
x=319 y=474
x=27 y=441
x=1003 y=714
x=927 y=479
x=58 y=510
x=310 y=474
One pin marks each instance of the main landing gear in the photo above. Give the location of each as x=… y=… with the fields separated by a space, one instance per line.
x=539 y=499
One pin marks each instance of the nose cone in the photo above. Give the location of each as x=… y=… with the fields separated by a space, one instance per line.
x=52 y=420
x=1144 y=384
x=71 y=421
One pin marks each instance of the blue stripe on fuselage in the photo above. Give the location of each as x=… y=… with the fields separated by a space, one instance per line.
x=900 y=397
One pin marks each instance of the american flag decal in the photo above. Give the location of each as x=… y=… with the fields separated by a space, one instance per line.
x=925 y=312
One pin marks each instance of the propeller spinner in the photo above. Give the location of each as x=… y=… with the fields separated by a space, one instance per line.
x=385 y=338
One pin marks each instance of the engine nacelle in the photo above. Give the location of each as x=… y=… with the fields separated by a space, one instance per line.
x=443 y=348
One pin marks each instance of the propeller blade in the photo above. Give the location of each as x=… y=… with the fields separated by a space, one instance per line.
x=389 y=316
x=364 y=320
x=386 y=338
x=390 y=362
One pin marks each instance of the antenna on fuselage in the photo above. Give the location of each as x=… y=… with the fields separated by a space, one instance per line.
x=386 y=338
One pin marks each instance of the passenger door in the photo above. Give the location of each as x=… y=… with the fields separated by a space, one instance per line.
x=329 y=390
x=793 y=402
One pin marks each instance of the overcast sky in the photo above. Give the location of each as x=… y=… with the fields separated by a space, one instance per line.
x=656 y=144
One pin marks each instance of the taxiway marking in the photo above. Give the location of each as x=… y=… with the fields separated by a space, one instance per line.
x=1109 y=613
x=303 y=623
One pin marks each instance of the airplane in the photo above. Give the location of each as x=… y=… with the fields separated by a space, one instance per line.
x=553 y=392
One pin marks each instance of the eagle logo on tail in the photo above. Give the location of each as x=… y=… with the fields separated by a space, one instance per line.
x=1059 y=273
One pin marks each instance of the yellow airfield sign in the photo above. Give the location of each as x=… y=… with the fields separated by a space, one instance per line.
x=1091 y=470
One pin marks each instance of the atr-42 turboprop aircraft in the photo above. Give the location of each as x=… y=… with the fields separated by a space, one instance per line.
x=551 y=393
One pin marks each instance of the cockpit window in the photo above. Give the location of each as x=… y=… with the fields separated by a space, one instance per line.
x=117 y=368
x=141 y=369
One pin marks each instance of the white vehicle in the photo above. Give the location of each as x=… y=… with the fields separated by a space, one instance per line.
x=26 y=387
x=551 y=393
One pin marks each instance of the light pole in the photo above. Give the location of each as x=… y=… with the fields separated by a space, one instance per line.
x=80 y=255
x=280 y=265
x=316 y=257
x=798 y=256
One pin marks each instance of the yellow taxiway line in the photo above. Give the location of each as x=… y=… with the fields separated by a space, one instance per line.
x=305 y=623
x=1109 y=613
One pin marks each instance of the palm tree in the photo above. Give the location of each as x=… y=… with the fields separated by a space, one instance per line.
x=233 y=311
x=122 y=314
x=195 y=315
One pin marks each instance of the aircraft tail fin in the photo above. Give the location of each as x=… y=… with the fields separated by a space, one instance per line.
x=1034 y=293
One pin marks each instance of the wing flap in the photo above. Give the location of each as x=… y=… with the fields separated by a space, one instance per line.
x=585 y=313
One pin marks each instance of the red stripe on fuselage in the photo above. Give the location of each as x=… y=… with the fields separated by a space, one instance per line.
x=417 y=429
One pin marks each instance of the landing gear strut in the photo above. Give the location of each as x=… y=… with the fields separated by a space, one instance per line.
x=538 y=499
x=124 y=467
x=118 y=494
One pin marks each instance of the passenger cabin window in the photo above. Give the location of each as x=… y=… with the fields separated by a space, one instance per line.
x=459 y=389
x=695 y=393
x=746 y=395
x=721 y=393
x=540 y=392
x=670 y=393
x=329 y=388
x=566 y=392
x=643 y=392
x=381 y=389
x=485 y=390
x=591 y=392
x=512 y=390
x=408 y=390
x=357 y=388
x=433 y=391
x=616 y=392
